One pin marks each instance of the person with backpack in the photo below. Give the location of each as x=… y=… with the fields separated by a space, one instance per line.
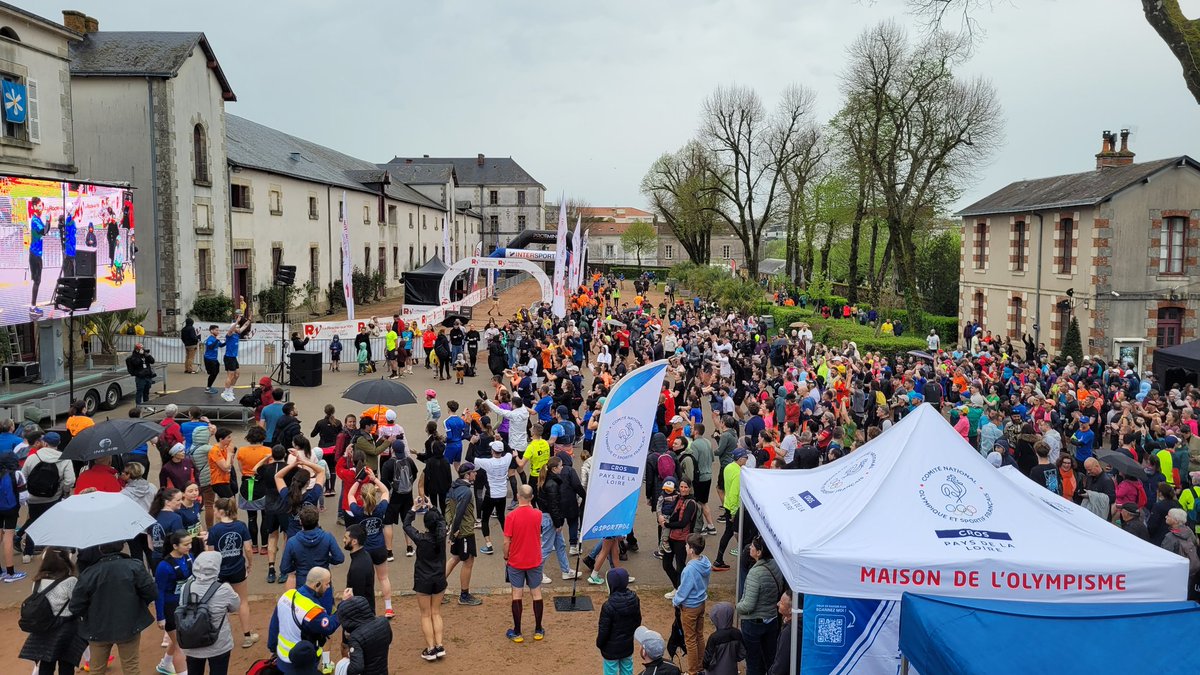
x=12 y=489
x=173 y=570
x=400 y=474
x=366 y=638
x=54 y=642
x=48 y=478
x=231 y=539
x=370 y=515
x=620 y=616
x=201 y=621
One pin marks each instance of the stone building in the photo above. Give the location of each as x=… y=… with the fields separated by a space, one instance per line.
x=1115 y=247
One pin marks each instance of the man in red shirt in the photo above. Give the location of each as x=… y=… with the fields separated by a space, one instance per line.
x=523 y=556
x=99 y=476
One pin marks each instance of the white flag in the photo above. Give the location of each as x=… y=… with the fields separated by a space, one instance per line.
x=447 y=223
x=475 y=269
x=583 y=254
x=576 y=254
x=347 y=262
x=559 y=305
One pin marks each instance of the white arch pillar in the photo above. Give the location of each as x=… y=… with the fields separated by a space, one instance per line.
x=501 y=264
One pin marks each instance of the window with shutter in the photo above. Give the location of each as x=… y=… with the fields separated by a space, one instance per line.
x=34 y=124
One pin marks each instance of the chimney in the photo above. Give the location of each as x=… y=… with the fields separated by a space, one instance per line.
x=1109 y=156
x=75 y=20
x=91 y=25
x=479 y=159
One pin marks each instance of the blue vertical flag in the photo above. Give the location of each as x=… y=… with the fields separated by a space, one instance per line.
x=16 y=102
x=619 y=460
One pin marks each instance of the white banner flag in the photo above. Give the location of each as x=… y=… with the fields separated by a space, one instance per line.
x=622 y=441
x=347 y=261
x=583 y=256
x=575 y=254
x=559 y=305
x=475 y=270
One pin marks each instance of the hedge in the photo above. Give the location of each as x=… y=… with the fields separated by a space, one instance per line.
x=832 y=331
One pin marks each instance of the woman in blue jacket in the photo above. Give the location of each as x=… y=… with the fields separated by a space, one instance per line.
x=173 y=570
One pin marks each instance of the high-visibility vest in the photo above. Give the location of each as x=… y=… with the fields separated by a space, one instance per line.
x=293 y=609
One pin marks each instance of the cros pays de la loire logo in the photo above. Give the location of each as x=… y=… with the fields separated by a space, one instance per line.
x=625 y=437
x=955 y=495
x=852 y=474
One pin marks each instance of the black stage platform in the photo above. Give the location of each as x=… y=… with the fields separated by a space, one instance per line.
x=212 y=405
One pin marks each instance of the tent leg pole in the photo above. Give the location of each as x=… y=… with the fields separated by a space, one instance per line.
x=903 y=665
x=797 y=612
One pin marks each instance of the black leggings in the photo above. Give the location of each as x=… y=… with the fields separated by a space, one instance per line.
x=491 y=506
x=217 y=665
x=444 y=364
x=213 y=368
x=63 y=667
x=252 y=521
x=35 y=273
x=731 y=528
x=674 y=560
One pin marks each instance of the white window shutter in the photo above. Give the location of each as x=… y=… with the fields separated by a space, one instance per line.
x=34 y=124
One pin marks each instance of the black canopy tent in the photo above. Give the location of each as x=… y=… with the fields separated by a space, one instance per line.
x=421 y=284
x=1178 y=365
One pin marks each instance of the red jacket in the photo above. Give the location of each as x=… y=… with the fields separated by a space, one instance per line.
x=170 y=433
x=103 y=478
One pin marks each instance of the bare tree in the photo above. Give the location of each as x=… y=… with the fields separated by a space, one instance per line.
x=1180 y=33
x=682 y=192
x=797 y=176
x=923 y=131
x=752 y=150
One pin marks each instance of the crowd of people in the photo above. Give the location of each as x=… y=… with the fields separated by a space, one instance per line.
x=518 y=450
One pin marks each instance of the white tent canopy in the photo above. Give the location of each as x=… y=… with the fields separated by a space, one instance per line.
x=917 y=509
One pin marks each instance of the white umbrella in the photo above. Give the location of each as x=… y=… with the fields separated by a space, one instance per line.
x=90 y=520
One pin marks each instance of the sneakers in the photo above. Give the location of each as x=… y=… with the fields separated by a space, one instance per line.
x=389 y=614
x=446 y=599
x=570 y=574
x=720 y=566
x=26 y=559
x=209 y=390
x=270 y=576
x=429 y=654
x=545 y=579
x=283 y=578
x=440 y=650
x=249 y=640
x=669 y=595
x=574 y=550
x=709 y=529
x=539 y=634
x=390 y=556
x=658 y=555
x=165 y=666
x=408 y=552
x=595 y=580
x=734 y=552
x=469 y=600
x=513 y=635
x=166 y=641
x=487 y=550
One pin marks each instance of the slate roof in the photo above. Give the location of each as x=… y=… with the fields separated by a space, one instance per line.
x=256 y=146
x=142 y=54
x=495 y=170
x=421 y=174
x=1077 y=189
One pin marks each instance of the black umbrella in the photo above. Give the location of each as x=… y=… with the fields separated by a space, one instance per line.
x=1123 y=463
x=111 y=437
x=676 y=644
x=452 y=317
x=921 y=355
x=380 y=392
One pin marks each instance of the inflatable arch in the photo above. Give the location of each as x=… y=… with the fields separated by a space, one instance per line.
x=499 y=264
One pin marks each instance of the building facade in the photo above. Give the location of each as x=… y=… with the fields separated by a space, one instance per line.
x=1115 y=248
x=149 y=110
x=505 y=196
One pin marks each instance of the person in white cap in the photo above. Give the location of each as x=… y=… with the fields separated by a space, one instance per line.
x=496 y=468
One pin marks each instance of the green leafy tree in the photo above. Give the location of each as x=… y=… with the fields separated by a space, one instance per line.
x=639 y=238
x=739 y=295
x=682 y=191
x=937 y=272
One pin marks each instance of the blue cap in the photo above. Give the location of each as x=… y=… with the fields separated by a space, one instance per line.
x=1171 y=441
x=52 y=438
x=739 y=453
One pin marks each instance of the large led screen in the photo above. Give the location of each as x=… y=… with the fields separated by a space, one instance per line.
x=51 y=230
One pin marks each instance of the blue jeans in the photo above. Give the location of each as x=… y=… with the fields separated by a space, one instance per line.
x=142 y=389
x=454 y=352
x=760 y=640
x=619 y=667
x=552 y=541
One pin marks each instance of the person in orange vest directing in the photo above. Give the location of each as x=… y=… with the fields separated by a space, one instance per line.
x=300 y=625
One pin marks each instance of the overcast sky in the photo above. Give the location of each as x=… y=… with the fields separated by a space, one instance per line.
x=586 y=95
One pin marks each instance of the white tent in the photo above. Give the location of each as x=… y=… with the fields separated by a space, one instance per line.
x=917 y=509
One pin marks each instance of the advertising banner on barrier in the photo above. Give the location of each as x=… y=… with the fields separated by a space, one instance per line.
x=622 y=440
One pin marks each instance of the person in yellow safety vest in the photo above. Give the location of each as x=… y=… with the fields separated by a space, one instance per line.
x=1189 y=500
x=300 y=625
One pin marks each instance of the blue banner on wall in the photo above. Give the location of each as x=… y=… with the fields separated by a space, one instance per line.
x=16 y=102
x=843 y=635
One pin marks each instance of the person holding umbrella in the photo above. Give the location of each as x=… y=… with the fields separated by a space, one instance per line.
x=100 y=476
x=49 y=478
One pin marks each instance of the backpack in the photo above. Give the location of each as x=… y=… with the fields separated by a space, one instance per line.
x=1193 y=512
x=44 y=480
x=402 y=480
x=568 y=436
x=37 y=615
x=193 y=619
x=253 y=399
x=8 y=493
x=760 y=458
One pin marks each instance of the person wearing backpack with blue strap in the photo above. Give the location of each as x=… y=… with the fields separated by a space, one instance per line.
x=49 y=479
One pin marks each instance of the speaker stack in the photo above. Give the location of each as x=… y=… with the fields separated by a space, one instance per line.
x=305 y=369
x=75 y=294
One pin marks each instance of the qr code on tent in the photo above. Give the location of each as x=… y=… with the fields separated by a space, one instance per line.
x=831 y=630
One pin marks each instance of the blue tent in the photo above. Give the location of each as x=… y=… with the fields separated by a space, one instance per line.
x=952 y=636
